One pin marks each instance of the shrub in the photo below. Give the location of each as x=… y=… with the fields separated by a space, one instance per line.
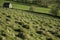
x=20 y=23
x=48 y=38
x=25 y=26
x=21 y=35
x=58 y=35
x=40 y=32
x=31 y=8
x=17 y=30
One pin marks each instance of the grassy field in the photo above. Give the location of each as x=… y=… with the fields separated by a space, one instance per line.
x=21 y=25
x=36 y=8
x=25 y=7
x=17 y=24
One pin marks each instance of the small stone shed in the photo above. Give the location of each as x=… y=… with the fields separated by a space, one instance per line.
x=7 y=5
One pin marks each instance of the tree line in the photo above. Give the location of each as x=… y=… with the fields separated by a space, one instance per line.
x=42 y=3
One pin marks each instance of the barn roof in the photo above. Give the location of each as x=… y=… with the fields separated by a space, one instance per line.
x=7 y=3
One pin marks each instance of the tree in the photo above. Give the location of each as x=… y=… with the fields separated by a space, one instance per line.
x=56 y=7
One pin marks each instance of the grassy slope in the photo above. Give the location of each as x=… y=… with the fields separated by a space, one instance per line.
x=21 y=25
x=36 y=9
x=25 y=7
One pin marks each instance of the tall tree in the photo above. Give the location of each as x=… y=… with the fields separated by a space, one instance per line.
x=56 y=7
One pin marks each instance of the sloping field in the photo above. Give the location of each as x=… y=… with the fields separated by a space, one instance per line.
x=21 y=25
x=25 y=7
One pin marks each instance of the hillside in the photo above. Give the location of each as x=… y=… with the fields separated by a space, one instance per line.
x=26 y=7
x=21 y=25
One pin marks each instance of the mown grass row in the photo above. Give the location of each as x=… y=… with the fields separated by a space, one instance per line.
x=36 y=9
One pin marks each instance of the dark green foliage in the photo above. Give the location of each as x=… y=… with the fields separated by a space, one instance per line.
x=58 y=35
x=1 y=38
x=8 y=16
x=31 y=34
x=20 y=23
x=40 y=32
x=3 y=13
x=56 y=8
x=2 y=33
x=41 y=3
x=53 y=32
x=21 y=35
x=54 y=11
x=17 y=30
x=31 y=8
x=7 y=19
x=48 y=38
x=42 y=29
x=50 y=26
x=25 y=26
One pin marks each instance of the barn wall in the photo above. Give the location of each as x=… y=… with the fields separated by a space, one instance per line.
x=10 y=5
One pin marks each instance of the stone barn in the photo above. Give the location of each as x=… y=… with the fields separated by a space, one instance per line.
x=7 y=5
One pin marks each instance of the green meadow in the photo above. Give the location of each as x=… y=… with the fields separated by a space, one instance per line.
x=18 y=24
